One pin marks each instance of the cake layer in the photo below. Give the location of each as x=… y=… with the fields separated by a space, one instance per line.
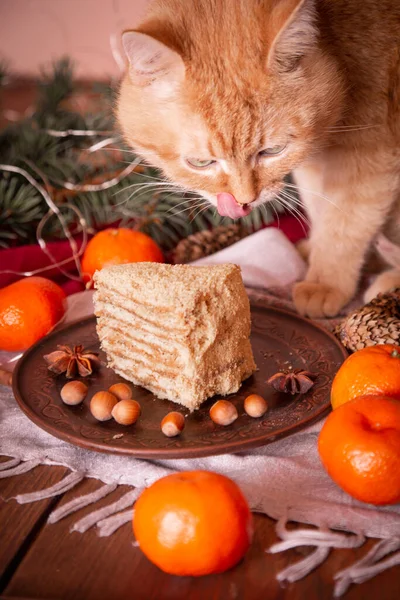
x=163 y=319
x=126 y=323
x=117 y=347
x=188 y=392
x=164 y=366
x=167 y=287
x=133 y=343
x=113 y=329
x=182 y=332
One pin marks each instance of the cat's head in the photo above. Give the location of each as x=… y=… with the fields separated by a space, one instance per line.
x=228 y=96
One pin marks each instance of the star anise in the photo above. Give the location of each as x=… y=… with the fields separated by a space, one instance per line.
x=295 y=381
x=72 y=361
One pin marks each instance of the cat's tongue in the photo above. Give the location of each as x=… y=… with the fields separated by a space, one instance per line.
x=228 y=207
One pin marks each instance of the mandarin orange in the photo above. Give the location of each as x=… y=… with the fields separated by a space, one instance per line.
x=193 y=523
x=359 y=446
x=118 y=246
x=29 y=309
x=370 y=371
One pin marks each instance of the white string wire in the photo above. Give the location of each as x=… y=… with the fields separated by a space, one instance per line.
x=105 y=185
x=53 y=210
x=77 y=132
x=36 y=185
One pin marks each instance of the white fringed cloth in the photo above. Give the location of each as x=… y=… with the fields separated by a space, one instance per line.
x=284 y=479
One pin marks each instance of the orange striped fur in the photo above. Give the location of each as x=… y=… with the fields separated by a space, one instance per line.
x=224 y=80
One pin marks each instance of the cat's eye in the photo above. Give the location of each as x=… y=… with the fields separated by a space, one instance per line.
x=273 y=150
x=199 y=164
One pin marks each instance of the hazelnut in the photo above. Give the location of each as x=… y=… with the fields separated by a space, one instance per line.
x=126 y=412
x=73 y=392
x=255 y=406
x=223 y=412
x=102 y=404
x=121 y=391
x=173 y=424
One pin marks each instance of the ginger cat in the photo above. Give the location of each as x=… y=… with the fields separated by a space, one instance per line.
x=228 y=96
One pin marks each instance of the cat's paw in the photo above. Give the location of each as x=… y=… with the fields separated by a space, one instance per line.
x=317 y=300
x=383 y=283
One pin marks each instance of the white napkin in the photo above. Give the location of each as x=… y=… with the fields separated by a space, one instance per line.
x=267 y=259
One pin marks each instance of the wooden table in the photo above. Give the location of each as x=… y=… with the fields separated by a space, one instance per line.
x=38 y=560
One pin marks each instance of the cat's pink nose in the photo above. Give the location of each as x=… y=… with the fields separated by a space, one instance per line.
x=228 y=206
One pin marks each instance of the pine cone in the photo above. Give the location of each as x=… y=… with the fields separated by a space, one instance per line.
x=207 y=242
x=378 y=322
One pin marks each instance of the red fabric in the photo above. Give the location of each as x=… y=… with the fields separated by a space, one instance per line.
x=291 y=227
x=31 y=258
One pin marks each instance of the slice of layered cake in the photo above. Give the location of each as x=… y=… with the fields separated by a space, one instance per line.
x=180 y=331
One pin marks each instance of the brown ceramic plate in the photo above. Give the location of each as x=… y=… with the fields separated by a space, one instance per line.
x=279 y=339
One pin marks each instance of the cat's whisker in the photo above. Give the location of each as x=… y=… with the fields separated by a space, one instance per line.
x=288 y=208
x=196 y=215
x=351 y=127
x=294 y=212
x=298 y=204
x=146 y=175
x=149 y=185
x=187 y=201
x=144 y=189
x=189 y=208
x=347 y=130
x=299 y=189
x=120 y=150
x=185 y=210
x=296 y=200
x=135 y=154
x=164 y=179
x=275 y=212
x=135 y=185
x=206 y=207
x=137 y=192
x=135 y=197
x=172 y=194
x=190 y=204
x=190 y=201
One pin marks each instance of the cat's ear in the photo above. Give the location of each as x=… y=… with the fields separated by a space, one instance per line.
x=151 y=61
x=293 y=32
